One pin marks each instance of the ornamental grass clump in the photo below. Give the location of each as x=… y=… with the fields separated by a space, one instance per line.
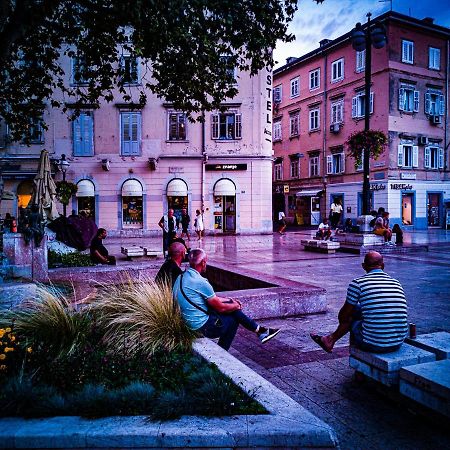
x=141 y=316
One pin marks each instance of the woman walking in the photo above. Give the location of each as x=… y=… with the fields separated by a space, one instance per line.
x=198 y=224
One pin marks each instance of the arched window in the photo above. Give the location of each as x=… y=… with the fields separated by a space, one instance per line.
x=177 y=196
x=132 y=216
x=86 y=198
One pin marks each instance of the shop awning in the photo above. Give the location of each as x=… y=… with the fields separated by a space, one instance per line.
x=224 y=187
x=86 y=188
x=177 y=188
x=132 y=188
x=313 y=193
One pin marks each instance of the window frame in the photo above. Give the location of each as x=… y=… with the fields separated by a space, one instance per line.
x=294 y=124
x=314 y=74
x=169 y=136
x=86 y=147
x=432 y=59
x=36 y=137
x=130 y=81
x=277 y=131
x=295 y=87
x=407 y=51
x=314 y=115
x=358 y=103
x=294 y=168
x=135 y=145
x=314 y=161
x=217 y=123
x=408 y=96
x=278 y=171
x=337 y=105
x=360 y=61
x=277 y=98
x=438 y=158
x=77 y=61
x=339 y=62
x=332 y=163
x=437 y=99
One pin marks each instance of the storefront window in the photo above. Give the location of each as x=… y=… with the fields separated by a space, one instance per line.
x=24 y=193
x=177 y=196
x=86 y=199
x=132 y=216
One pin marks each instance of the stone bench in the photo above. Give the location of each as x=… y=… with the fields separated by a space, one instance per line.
x=320 y=246
x=132 y=252
x=151 y=253
x=385 y=367
x=428 y=384
x=437 y=343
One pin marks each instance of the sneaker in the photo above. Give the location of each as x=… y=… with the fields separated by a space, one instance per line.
x=267 y=333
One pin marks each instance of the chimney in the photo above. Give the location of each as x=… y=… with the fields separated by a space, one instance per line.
x=429 y=20
x=290 y=59
x=324 y=42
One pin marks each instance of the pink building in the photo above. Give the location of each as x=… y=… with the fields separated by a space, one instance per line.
x=319 y=102
x=131 y=164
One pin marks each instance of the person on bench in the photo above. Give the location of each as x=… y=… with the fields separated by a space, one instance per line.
x=324 y=230
x=374 y=312
x=171 y=268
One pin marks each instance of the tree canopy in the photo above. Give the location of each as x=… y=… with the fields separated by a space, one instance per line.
x=187 y=46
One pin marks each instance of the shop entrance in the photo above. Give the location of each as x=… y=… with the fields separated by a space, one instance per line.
x=177 y=196
x=315 y=211
x=86 y=199
x=434 y=210
x=407 y=209
x=225 y=206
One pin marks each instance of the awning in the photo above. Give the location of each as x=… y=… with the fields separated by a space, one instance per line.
x=86 y=188
x=224 y=187
x=308 y=193
x=177 y=188
x=132 y=188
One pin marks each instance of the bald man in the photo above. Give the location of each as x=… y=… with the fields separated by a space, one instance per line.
x=170 y=270
x=374 y=312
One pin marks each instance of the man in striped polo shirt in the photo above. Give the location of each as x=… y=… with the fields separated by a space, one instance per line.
x=374 y=311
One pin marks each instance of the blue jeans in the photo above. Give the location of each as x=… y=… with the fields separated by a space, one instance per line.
x=356 y=337
x=224 y=326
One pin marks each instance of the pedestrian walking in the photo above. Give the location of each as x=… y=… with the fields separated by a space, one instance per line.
x=281 y=222
x=185 y=221
x=198 y=224
x=335 y=212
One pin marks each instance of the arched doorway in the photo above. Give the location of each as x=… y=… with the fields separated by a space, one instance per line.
x=132 y=205
x=225 y=206
x=177 y=196
x=86 y=199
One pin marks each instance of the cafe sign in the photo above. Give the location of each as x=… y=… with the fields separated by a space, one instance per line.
x=377 y=187
x=222 y=167
x=401 y=186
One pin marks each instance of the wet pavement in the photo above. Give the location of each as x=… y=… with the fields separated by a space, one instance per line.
x=364 y=416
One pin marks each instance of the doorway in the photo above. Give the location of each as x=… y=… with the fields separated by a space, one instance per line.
x=315 y=210
x=225 y=213
x=434 y=209
x=407 y=209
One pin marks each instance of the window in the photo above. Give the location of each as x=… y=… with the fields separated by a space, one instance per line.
x=132 y=205
x=434 y=158
x=337 y=111
x=130 y=133
x=278 y=94
x=408 y=52
x=278 y=171
x=294 y=124
x=295 y=164
x=129 y=67
x=336 y=163
x=277 y=135
x=408 y=156
x=176 y=126
x=359 y=105
x=314 y=79
x=226 y=126
x=83 y=134
x=79 y=71
x=360 y=61
x=408 y=99
x=314 y=119
x=434 y=103
x=295 y=87
x=434 y=58
x=35 y=132
x=337 y=70
x=230 y=69
x=314 y=166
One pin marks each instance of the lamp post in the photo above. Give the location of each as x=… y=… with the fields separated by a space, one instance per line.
x=63 y=165
x=374 y=35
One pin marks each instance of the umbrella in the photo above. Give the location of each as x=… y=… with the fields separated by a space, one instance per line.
x=44 y=189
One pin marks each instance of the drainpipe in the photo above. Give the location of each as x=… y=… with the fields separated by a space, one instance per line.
x=204 y=158
x=446 y=166
x=324 y=145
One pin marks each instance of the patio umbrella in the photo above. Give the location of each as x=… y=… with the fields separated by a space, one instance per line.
x=44 y=189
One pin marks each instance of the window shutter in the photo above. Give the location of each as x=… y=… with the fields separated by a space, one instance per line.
x=371 y=102
x=427 y=103
x=238 y=126
x=125 y=134
x=400 y=156
x=342 y=69
x=329 y=164
x=135 y=134
x=401 y=99
x=441 y=104
x=355 y=107
x=215 y=126
x=427 y=157
x=441 y=158
x=342 y=162
x=416 y=101
x=87 y=135
x=415 y=156
x=76 y=125
x=404 y=51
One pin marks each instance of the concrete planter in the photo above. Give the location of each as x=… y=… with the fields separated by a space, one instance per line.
x=287 y=424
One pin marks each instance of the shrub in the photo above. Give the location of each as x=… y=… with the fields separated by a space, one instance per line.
x=74 y=259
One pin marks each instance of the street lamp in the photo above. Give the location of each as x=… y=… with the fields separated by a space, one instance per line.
x=374 y=34
x=63 y=165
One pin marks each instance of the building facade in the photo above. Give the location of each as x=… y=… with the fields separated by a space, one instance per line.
x=319 y=102
x=131 y=164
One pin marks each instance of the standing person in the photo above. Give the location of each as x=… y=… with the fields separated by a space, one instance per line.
x=335 y=212
x=169 y=225
x=375 y=311
x=198 y=224
x=185 y=221
x=171 y=268
x=324 y=231
x=99 y=254
x=281 y=222
x=203 y=310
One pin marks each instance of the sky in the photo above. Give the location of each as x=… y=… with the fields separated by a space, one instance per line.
x=332 y=18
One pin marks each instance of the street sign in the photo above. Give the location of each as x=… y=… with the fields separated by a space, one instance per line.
x=286 y=189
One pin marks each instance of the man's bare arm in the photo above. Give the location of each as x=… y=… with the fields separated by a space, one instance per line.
x=223 y=304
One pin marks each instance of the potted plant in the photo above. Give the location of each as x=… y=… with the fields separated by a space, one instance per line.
x=65 y=190
x=375 y=141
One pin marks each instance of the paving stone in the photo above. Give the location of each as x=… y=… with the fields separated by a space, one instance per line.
x=437 y=343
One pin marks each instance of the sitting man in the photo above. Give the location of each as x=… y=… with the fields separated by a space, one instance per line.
x=381 y=228
x=171 y=268
x=99 y=254
x=203 y=310
x=374 y=312
x=324 y=230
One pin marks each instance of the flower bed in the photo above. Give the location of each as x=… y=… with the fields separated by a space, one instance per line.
x=127 y=353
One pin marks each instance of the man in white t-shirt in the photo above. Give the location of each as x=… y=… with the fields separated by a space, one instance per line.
x=335 y=212
x=324 y=230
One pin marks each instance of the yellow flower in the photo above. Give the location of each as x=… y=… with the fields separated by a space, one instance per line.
x=2 y=367
x=8 y=330
x=29 y=349
x=2 y=356
x=8 y=349
x=2 y=332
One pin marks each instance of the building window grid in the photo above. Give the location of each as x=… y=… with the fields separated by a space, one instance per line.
x=314 y=166
x=277 y=134
x=314 y=119
x=314 y=79
x=295 y=87
x=434 y=58
x=294 y=124
x=360 y=61
x=407 y=51
x=337 y=70
x=337 y=112
x=278 y=171
x=408 y=99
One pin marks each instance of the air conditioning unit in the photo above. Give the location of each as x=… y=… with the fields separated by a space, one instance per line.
x=435 y=120
x=422 y=140
x=335 y=127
